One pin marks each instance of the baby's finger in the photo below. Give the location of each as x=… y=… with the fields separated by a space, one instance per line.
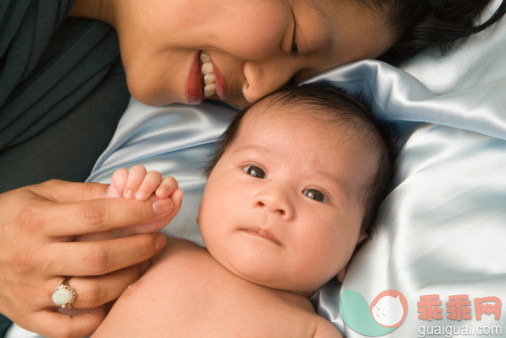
x=167 y=187
x=148 y=186
x=177 y=198
x=135 y=177
x=118 y=183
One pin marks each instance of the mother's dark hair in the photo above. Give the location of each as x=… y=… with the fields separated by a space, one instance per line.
x=424 y=23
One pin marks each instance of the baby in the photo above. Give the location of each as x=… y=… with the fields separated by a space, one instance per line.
x=291 y=192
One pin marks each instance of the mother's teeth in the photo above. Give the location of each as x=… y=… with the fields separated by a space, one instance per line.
x=209 y=89
x=209 y=77
x=204 y=57
x=207 y=68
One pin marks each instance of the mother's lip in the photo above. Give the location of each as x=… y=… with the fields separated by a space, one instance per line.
x=221 y=83
x=263 y=233
x=194 y=87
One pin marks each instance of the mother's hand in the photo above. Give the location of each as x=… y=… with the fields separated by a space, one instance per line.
x=37 y=225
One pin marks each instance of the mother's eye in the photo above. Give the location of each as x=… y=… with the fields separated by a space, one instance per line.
x=254 y=171
x=314 y=195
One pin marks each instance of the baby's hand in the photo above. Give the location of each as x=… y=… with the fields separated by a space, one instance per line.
x=140 y=184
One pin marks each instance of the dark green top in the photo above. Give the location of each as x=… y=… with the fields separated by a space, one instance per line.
x=62 y=92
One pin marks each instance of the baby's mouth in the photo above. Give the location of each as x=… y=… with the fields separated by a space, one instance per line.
x=209 y=77
x=260 y=232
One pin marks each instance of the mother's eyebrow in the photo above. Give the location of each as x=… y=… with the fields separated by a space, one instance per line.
x=318 y=7
x=321 y=9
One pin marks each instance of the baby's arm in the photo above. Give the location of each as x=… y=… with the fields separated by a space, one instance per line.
x=142 y=185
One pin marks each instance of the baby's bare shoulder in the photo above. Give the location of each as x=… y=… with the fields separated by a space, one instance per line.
x=288 y=318
x=325 y=329
x=179 y=250
x=178 y=245
x=175 y=261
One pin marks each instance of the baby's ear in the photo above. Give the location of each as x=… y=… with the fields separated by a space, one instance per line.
x=361 y=239
x=341 y=274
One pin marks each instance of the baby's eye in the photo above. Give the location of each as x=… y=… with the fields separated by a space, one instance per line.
x=254 y=171
x=314 y=195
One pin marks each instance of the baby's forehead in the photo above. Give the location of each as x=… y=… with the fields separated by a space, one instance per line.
x=303 y=112
x=340 y=129
x=330 y=130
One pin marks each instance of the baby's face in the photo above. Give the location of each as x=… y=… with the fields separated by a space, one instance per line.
x=255 y=46
x=282 y=207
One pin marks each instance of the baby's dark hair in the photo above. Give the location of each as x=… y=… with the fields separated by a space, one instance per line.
x=425 y=23
x=337 y=107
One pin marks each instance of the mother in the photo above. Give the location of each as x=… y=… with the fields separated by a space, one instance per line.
x=62 y=90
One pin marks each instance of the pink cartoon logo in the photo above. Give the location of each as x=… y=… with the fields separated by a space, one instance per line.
x=389 y=308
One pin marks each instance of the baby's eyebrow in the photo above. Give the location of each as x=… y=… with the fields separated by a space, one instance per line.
x=252 y=147
x=340 y=183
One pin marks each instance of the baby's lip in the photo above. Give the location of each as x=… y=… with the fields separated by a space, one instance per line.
x=263 y=233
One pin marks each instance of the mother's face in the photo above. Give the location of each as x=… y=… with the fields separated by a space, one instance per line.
x=254 y=46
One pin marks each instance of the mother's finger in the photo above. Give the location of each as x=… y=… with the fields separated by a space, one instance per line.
x=50 y=323
x=99 y=215
x=99 y=258
x=65 y=192
x=96 y=291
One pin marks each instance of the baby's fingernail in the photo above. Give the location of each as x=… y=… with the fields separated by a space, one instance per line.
x=163 y=206
x=129 y=194
x=141 y=195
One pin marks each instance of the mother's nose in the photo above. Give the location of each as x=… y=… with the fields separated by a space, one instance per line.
x=275 y=200
x=264 y=77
